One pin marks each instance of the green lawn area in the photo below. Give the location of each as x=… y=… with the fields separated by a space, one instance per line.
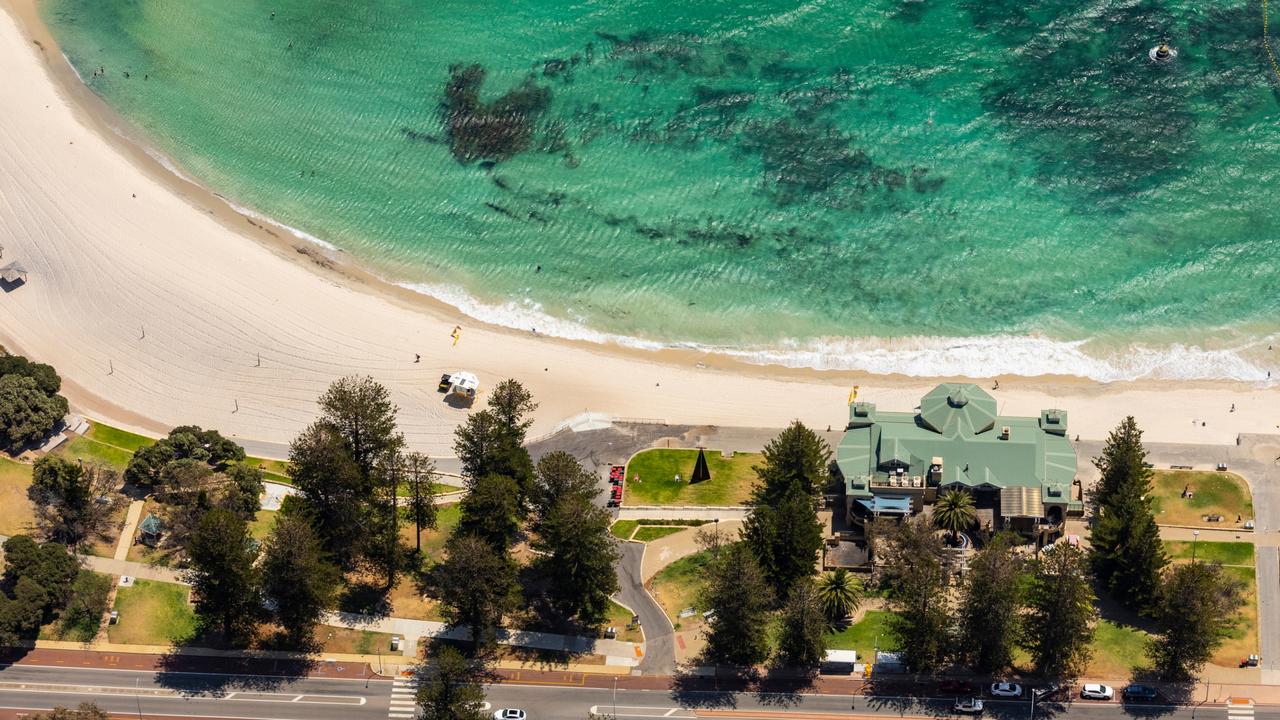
x=16 y=513
x=272 y=470
x=651 y=478
x=447 y=517
x=676 y=587
x=622 y=529
x=1213 y=493
x=153 y=613
x=649 y=533
x=1117 y=650
x=92 y=451
x=122 y=439
x=347 y=640
x=1242 y=640
x=865 y=636
x=619 y=618
x=1227 y=553
x=263 y=523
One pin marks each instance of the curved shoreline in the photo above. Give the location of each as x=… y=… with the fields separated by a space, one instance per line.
x=115 y=273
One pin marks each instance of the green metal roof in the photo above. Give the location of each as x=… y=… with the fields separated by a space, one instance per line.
x=958 y=423
x=151 y=525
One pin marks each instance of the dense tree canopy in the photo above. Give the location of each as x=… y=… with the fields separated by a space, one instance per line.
x=785 y=538
x=476 y=585
x=559 y=474
x=917 y=580
x=739 y=598
x=72 y=501
x=802 y=639
x=185 y=442
x=990 y=605
x=27 y=412
x=489 y=511
x=297 y=577
x=797 y=457
x=451 y=687
x=1060 y=619
x=1198 y=608
x=1127 y=555
x=45 y=376
x=579 y=558
x=37 y=580
x=83 y=711
x=222 y=575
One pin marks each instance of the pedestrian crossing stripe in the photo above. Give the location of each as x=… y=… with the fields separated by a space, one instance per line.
x=403 y=706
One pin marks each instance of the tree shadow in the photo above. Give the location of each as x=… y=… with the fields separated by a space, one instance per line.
x=784 y=687
x=364 y=601
x=712 y=689
x=183 y=670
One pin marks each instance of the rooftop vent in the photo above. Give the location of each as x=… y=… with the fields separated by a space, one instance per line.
x=1005 y=431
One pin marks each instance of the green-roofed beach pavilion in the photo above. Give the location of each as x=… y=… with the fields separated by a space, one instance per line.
x=1020 y=470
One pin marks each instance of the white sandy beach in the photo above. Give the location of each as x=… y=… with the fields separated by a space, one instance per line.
x=154 y=302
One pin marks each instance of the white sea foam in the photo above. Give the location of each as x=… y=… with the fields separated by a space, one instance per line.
x=918 y=356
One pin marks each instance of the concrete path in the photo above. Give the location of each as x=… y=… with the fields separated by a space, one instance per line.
x=662 y=552
x=616 y=651
x=130 y=526
x=663 y=512
x=143 y=571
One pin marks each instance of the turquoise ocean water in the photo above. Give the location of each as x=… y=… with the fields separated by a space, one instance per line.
x=935 y=186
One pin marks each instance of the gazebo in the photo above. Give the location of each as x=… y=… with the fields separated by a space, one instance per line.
x=13 y=272
x=150 y=530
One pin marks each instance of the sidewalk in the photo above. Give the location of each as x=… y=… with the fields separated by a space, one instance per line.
x=616 y=652
x=111 y=566
x=130 y=526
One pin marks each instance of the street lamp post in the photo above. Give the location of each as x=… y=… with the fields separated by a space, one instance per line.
x=1195 y=536
x=615 y=697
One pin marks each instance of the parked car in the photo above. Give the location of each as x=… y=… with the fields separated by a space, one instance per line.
x=509 y=714
x=1050 y=691
x=956 y=687
x=1251 y=661
x=1139 y=692
x=1097 y=691
x=1004 y=689
x=969 y=706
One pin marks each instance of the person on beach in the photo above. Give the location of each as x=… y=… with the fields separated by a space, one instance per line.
x=417 y=357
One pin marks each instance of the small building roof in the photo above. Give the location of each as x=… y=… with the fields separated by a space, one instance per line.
x=151 y=525
x=13 y=272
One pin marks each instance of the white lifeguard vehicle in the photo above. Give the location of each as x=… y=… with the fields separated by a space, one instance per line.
x=461 y=384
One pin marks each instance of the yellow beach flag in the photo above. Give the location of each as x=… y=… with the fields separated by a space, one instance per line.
x=456 y=334
x=853 y=393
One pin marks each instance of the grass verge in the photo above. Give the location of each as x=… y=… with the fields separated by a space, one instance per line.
x=153 y=613
x=865 y=636
x=1213 y=493
x=649 y=533
x=622 y=529
x=651 y=478
x=1227 y=553
x=677 y=586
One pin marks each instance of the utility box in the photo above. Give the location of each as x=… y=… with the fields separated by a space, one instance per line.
x=114 y=618
x=395 y=642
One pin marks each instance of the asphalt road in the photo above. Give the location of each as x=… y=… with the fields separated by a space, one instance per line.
x=184 y=694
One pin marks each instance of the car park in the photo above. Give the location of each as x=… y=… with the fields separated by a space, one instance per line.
x=1049 y=692
x=1139 y=692
x=1004 y=689
x=1097 y=691
x=968 y=706
x=509 y=714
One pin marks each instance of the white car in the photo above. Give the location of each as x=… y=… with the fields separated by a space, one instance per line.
x=509 y=714
x=1096 y=691
x=1002 y=689
x=968 y=706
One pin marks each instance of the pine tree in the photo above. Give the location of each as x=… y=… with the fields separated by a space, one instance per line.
x=222 y=575
x=796 y=457
x=1198 y=608
x=489 y=511
x=1123 y=461
x=579 y=558
x=921 y=623
x=1126 y=554
x=451 y=687
x=802 y=640
x=785 y=539
x=739 y=599
x=1060 y=619
x=298 y=577
x=990 y=606
x=420 y=473
x=476 y=585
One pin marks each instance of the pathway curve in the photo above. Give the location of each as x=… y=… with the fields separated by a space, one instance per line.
x=659 y=643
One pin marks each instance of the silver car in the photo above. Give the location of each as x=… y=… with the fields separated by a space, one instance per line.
x=509 y=714
x=1004 y=689
x=1097 y=691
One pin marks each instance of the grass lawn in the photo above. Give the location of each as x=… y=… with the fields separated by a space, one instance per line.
x=153 y=613
x=865 y=636
x=622 y=529
x=347 y=640
x=649 y=533
x=263 y=523
x=676 y=587
x=447 y=517
x=1213 y=493
x=272 y=470
x=1242 y=640
x=1117 y=650
x=16 y=513
x=730 y=483
x=122 y=439
x=91 y=451
x=1227 y=553
x=620 y=618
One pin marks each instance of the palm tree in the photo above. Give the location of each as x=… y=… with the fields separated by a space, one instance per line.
x=840 y=594
x=954 y=512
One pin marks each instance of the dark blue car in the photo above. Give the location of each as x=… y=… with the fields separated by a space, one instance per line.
x=1139 y=692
